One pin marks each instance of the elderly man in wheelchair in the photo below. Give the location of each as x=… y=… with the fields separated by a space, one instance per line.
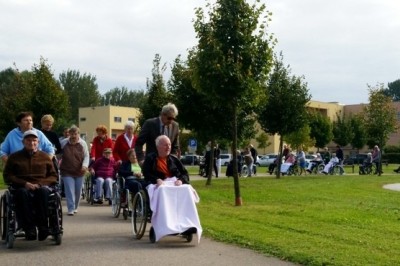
x=171 y=198
x=31 y=176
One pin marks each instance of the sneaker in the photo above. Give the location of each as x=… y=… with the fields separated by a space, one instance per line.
x=76 y=211
x=70 y=213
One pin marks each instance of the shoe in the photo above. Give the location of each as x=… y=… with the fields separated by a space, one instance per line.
x=20 y=232
x=99 y=201
x=76 y=211
x=43 y=234
x=30 y=234
x=70 y=213
x=309 y=171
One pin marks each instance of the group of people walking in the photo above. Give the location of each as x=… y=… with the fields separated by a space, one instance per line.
x=71 y=155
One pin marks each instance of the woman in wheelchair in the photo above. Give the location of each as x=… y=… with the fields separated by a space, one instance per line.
x=367 y=163
x=332 y=162
x=104 y=169
x=132 y=173
x=30 y=173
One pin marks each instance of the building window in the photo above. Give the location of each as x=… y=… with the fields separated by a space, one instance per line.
x=131 y=119
x=82 y=119
x=117 y=119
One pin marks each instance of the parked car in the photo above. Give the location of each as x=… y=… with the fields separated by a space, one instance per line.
x=266 y=160
x=190 y=159
x=310 y=157
x=225 y=158
x=356 y=158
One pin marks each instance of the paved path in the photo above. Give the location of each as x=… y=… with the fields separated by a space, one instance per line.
x=94 y=237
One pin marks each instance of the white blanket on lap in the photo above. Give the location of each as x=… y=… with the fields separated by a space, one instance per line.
x=174 y=209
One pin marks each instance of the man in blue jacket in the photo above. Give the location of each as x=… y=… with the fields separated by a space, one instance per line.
x=13 y=141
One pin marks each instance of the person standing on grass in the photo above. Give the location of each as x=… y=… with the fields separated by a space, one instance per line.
x=376 y=158
x=301 y=159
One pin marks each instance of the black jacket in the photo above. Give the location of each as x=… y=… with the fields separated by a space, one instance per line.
x=174 y=165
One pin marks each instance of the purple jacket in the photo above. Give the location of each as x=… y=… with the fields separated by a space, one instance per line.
x=104 y=167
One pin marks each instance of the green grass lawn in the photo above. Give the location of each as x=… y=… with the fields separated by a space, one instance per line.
x=311 y=220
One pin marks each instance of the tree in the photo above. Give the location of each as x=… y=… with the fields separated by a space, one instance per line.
x=321 y=129
x=285 y=111
x=393 y=90
x=360 y=138
x=157 y=95
x=47 y=95
x=262 y=140
x=342 y=131
x=300 y=138
x=15 y=97
x=124 y=97
x=231 y=62
x=379 y=117
x=82 y=91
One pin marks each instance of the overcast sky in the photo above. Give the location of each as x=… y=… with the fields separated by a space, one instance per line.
x=339 y=46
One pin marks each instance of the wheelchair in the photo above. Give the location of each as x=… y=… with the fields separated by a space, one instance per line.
x=122 y=199
x=8 y=221
x=141 y=215
x=245 y=171
x=336 y=169
x=90 y=189
x=368 y=169
x=318 y=169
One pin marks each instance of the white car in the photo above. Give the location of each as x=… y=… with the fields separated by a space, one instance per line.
x=266 y=160
x=225 y=159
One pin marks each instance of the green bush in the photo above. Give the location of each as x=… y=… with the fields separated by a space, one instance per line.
x=391 y=157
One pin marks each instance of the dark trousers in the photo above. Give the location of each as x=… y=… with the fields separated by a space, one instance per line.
x=31 y=207
x=134 y=185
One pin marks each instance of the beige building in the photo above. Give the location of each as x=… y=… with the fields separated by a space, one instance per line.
x=113 y=117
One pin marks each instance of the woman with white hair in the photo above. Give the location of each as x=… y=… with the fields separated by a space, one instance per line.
x=333 y=161
x=124 y=142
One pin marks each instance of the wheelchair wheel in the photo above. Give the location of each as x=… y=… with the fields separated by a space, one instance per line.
x=88 y=192
x=139 y=214
x=10 y=240
x=370 y=170
x=3 y=217
x=58 y=239
x=116 y=200
x=320 y=168
x=244 y=171
x=189 y=238
x=152 y=235
x=336 y=170
x=9 y=221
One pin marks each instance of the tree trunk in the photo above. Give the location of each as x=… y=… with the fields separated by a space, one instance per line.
x=210 y=164
x=278 y=165
x=238 y=198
